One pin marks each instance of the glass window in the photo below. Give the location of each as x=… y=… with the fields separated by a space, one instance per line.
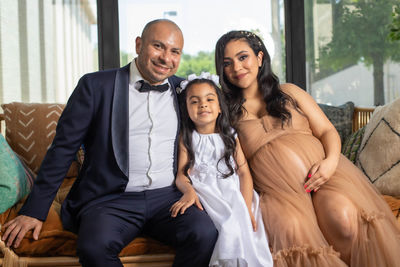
x=202 y=23
x=349 y=54
x=45 y=47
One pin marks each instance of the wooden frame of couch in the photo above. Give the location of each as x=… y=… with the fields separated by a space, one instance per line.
x=361 y=117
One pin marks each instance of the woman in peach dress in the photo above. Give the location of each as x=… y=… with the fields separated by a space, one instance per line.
x=318 y=208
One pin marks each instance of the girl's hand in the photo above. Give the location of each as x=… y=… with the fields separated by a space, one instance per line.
x=187 y=200
x=319 y=174
x=253 y=221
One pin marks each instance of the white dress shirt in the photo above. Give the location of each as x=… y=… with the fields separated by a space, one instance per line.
x=153 y=125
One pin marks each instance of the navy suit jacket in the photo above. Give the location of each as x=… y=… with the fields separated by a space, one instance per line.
x=96 y=115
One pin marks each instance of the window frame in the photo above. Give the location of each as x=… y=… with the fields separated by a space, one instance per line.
x=108 y=38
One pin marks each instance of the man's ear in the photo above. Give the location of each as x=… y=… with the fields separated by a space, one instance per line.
x=138 y=42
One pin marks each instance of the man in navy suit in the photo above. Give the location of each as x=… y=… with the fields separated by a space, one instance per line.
x=128 y=121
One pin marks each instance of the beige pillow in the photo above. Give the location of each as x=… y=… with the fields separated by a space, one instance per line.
x=30 y=129
x=379 y=156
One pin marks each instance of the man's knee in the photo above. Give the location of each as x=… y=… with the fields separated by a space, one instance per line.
x=97 y=251
x=205 y=234
x=202 y=231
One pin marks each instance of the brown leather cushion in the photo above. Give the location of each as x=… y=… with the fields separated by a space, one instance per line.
x=30 y=130
x=54 y=241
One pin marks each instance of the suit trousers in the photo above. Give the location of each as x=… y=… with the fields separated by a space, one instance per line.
x=107 y=227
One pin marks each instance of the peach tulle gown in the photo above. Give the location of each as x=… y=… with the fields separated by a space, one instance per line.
x=280 y=159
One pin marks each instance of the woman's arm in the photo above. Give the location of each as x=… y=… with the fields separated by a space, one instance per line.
x=184 y=185
x=246 y=181
x=323 y=129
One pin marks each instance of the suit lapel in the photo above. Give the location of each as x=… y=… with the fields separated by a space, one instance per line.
x=120 y=120
x=174 y=82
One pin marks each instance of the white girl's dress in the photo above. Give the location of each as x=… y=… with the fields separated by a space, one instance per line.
x=237 y=245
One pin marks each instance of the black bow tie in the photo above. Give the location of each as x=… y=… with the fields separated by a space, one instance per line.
x=146 y=87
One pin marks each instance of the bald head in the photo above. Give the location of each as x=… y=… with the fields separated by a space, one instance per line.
x=168 y=24
x=159 y=50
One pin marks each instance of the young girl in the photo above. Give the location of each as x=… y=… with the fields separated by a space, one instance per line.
x=213 y=170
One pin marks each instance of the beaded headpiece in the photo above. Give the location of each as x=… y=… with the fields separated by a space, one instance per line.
x=204 y=75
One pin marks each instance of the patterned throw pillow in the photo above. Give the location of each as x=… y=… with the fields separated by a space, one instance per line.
x=352 y=144
x=15 y=181
x=30 y=129
x=341 y=117
x=379 y=156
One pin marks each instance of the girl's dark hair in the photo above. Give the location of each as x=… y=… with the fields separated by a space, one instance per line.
x=222 y=127
x=274 y=98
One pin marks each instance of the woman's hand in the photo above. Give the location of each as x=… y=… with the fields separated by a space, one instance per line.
x=188 y=199
x=319 y=174
x=322 y=129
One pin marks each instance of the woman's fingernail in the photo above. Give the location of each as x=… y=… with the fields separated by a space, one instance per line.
x=309 y=175
x=308 y=190
x=305 y=186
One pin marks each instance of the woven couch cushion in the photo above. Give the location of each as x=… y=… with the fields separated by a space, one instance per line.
x=30 y=129
x=15 y=180
x=379 y=156
x=341 y=117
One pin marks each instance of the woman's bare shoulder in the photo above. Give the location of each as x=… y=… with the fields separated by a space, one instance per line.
x=291 y=89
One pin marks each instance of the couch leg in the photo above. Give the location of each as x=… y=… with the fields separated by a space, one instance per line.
x=10 y=258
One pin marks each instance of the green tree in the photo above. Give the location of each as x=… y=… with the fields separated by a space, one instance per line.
x=202 y=61
x=360 y=35
x=394 y=34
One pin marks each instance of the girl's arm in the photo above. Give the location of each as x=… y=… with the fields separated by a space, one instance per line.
x=246 y=181
x=323 y=129
x=184 y=185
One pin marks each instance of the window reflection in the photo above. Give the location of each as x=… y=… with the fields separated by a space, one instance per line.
x=45 y=46
x=349 y=54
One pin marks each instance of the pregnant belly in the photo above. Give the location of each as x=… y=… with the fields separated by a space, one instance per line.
x=285 y=161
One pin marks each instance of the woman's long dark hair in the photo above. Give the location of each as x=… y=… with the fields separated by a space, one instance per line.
x=274 y=98
x=222 y=127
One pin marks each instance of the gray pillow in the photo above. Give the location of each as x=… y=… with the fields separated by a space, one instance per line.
x=341 y=117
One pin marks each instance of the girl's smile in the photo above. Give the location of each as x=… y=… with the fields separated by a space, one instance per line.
x=203 y=107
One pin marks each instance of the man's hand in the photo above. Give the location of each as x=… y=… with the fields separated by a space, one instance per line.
x=18 y=227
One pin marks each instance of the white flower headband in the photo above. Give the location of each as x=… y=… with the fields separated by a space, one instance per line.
x=204 y=75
